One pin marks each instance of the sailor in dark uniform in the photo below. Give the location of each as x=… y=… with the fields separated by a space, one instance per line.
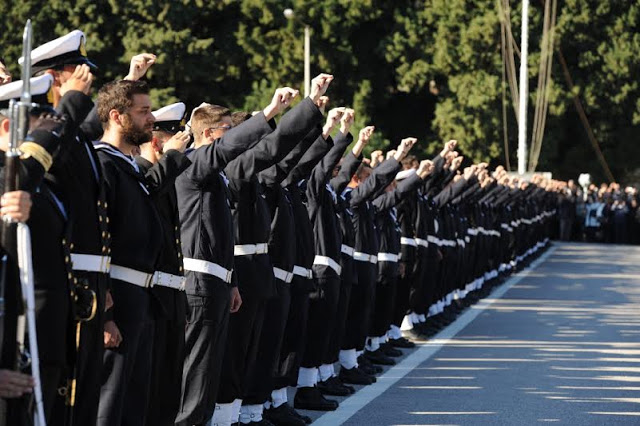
x=255 y=264
x=336 y=385
x=76 y=176
x=389 y=257
x=208 y=248
x=124 y=109
x=365 y=253
x=320 y=349
x=323 y=302
x=167 y=286
x=302 y=158
x=262 y=380
x=48 y=224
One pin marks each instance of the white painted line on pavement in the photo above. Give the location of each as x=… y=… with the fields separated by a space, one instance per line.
x=364 y=396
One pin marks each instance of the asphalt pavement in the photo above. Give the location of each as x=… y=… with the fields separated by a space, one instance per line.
x=558 y=343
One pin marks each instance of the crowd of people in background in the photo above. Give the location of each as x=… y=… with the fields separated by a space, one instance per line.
x=607 y=213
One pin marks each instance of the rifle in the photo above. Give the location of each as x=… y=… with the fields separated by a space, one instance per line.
x=16 y=236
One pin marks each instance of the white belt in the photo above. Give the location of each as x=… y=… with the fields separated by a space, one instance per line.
x=434 y=240
x=132 y=276
x=388 y=257
x=90 y=262
x=283 y=275
x=303 y=272
x=327 y=261
x=408 y=242
x=506 y=226
x=421 y=242
x=210 y=268
x=472 y=231
x=347 y=250
x=164 y=279
x=364 y=257
x=249 y=249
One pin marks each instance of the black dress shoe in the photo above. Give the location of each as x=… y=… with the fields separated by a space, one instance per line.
x=368 y=367
x=333 y=387
x=401 y=343
x=294 y=413
x=390 y=351
x=312 y=399
x=281 y=416
x=337 y=380
x=355 y=376
x=378 y=357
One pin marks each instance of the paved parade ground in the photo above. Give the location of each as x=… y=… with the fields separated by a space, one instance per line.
x=558 y=343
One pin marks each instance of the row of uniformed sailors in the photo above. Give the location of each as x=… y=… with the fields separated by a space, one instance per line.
x=302 y=310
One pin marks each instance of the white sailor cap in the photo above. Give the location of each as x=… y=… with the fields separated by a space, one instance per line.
x=66 y=50
x=170 y=118
x=405 y=174
x=188 y=126
x=41 y=93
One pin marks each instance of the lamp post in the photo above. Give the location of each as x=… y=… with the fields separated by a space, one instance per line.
x=290 y=14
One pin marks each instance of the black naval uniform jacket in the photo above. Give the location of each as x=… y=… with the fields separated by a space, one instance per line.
x=165 y=199
x=49 y=228
x=323 y=211
x=363 y=214
x=251 y=210
x=135 y=225
x=295 y=189
x=204 y=204
x=348 y=168
x=321 y=206
x=77 y=176
x=388 y=226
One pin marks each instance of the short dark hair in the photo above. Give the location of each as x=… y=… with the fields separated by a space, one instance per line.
x=118 y=95
x=239 y=117
x=361 y=168
x=409 y=162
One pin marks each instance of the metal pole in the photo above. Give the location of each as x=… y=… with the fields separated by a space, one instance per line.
x=522 y=122
x=307 y=60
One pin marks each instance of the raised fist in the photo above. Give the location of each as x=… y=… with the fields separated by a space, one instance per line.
x=319 y=86
x=365 y=135
x=347 y=120
x=425 y=168
x=456 y=162
x=448 y=147
x=363 y=140
x=376 y=158
x=332 y=119
x=139 y=66
x=335 y=115
x=405 y=146
x=281 y=100
x=322 y=103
